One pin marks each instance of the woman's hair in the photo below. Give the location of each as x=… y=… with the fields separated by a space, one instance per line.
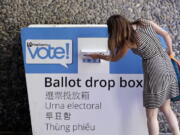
x=121 y=33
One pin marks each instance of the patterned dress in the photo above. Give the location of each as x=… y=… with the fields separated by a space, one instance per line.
x=160 y=81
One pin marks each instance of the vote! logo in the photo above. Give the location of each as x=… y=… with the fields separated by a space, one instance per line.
x=49 y=52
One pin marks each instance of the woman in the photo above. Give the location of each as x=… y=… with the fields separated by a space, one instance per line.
x=160 y=82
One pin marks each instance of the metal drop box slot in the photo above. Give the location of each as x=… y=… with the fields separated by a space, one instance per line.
x=87 y=59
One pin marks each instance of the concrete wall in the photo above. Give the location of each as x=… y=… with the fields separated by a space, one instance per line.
x=15 y=14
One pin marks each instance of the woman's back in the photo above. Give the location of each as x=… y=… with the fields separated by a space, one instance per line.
x=160 y=80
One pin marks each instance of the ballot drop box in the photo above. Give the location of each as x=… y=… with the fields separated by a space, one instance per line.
x=72 y=94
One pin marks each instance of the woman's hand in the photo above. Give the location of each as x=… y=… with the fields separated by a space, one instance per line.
x=171 y=53
x=93 y=56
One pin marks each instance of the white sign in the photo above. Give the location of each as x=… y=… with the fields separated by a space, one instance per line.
x=49 y=52
x=70 y=95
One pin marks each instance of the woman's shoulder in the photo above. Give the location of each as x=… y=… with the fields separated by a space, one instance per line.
x=145 y=23
x=144 y=20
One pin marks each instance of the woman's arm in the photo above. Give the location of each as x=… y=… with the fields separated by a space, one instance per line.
x=165 y=35
x=119 y=55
